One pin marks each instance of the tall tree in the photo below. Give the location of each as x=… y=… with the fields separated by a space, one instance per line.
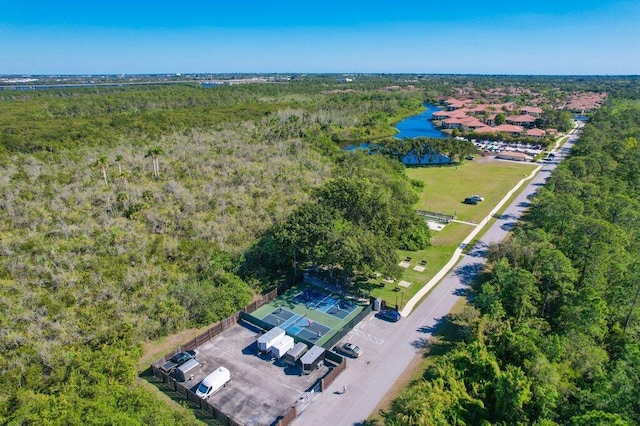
x=154 y=153
x=103 y=163
x=119 y=159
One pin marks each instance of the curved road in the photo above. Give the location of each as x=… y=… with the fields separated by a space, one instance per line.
x=389 y=348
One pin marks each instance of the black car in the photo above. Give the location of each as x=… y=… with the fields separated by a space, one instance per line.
x=390 y=315
x=471 y=200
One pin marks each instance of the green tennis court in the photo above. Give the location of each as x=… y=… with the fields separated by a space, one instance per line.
x=309 y=313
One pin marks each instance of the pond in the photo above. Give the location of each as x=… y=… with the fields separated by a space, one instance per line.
x=420 y=125
x=416 y=126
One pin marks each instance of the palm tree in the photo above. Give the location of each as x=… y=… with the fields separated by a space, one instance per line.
x=154 y=153
x=103 y=164
x=119 y=159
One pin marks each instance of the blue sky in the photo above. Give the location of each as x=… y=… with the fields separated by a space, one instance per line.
x=421 y=36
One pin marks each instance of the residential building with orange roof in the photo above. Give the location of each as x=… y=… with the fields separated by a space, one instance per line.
x=485 y=129
x=534 y=111
x=453 y=103
x=509 y=128
x=452 y=123
x=536 y=133
x=521 y=120
x=441 y=115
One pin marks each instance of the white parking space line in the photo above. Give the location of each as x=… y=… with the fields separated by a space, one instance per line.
x=367 y=336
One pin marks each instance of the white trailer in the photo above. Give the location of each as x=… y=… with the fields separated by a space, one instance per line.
x=266 y=340
x=282 y=346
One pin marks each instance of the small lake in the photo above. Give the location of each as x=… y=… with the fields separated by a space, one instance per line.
x=414 y=127
x=420 y=125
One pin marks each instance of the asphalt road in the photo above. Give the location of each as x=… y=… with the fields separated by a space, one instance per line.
x=389 y=348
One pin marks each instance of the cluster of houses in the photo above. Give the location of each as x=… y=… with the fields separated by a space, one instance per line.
x=481 y=118
x=476 y=111
x=585 y=102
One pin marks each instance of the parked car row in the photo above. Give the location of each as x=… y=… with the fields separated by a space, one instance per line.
x=499 y=146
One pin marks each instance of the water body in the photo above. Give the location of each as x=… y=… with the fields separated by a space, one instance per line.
x=414 y=127
x=420 y=125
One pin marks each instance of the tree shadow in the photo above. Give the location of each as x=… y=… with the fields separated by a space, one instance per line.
x=506 y=217
x=468 y=273
x=479 y=249
x=443 y=336
x=462 y=292
x=508 y=226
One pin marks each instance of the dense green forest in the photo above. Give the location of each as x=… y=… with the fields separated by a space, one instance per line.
x=551 y=334
x=132 y=213
x=128 y=213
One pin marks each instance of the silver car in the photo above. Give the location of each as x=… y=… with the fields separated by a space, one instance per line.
x=350 y=349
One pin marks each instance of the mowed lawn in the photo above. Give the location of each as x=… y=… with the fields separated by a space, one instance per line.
x=445 y=189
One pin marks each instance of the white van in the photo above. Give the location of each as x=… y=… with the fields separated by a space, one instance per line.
x=213 y=382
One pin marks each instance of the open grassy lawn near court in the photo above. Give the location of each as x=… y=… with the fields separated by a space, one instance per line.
x=437 y=255
x=446 y=187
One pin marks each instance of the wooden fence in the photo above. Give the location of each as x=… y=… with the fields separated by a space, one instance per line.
x=292 y=412
x=333 y=374
x=170 y=383
x=288 y=417
x=322 y=384
x=224 y=324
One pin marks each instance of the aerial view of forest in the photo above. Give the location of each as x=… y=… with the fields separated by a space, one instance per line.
x=132 y=213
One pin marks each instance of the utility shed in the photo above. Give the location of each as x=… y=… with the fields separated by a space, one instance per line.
x=266 y=340
x=312 y=358
x=295 y=353
x=184 y=372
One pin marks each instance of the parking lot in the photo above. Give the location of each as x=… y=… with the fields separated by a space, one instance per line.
x=379 y=340
x=260 y=389
x=498 y=146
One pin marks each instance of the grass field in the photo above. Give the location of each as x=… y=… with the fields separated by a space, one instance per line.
x=445 y=188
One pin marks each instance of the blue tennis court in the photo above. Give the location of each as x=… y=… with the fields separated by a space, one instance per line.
x=325 y=303
x=296 y=325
